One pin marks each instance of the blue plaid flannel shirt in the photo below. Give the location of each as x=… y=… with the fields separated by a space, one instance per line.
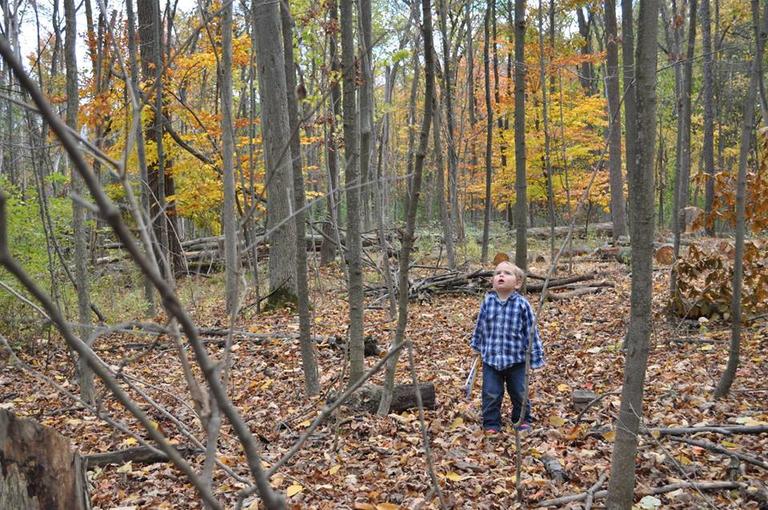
x=501 y=333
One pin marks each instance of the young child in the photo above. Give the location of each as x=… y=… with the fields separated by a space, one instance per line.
x=501 y=337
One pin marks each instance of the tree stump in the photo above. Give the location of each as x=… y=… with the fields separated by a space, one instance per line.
x=38 y=470
x=580 y=399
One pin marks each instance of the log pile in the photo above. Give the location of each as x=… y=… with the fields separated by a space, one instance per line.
x=455 y=282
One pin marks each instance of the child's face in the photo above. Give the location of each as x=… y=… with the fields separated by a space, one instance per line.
x=504 y=279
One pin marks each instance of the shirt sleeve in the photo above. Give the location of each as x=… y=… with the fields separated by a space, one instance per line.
x=537 y=350
x=478 y=336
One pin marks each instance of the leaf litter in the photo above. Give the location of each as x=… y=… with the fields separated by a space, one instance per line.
x=356 y=460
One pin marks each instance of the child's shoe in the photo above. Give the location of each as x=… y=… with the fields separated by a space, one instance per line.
x=491 y=431
x=524 y=427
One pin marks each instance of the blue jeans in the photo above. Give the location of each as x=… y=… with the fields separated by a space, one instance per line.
x=493 y=393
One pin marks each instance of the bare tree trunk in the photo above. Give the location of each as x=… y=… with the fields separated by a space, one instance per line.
x=622 y=480
x=78 y=211
x=352 y=171
x=683 y=159
x=586 y=71
x=231 y=257
x=488 y=135
x=521 y=186
x=413 y=202
x=618 y=209
x=726 y=380
x=149 y=293
x=331 y=226
x=761 y=35
x=276 y=132
x=630 y=104
x=707 y=150
x=449 y=219
x=545 y=121
x=308 y=363
x=366 y=108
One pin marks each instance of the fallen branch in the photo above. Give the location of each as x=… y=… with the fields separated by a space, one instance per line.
x=572 y=293
x=139 y=455
x=554 y=469
x=719 y=429
x=701 y=486
x=725 y=451
x=591 y=491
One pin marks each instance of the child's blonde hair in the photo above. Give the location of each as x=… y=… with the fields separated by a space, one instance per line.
x=519 y=273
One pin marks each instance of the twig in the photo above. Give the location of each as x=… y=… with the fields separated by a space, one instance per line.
x=593 y=402
x=591 y=491
x=725 y=451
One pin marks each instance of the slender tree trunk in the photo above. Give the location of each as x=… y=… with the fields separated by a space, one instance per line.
x=761 y=35
x=521 y=186
x=366 y=108
x=78 y=211
x=586 y=70
x=330 y=227
x=276 y=132
x=229 y=224
x=308 y=362
x=488 y=135
x=545 y=125
x=726 y=380
x=453 y=202
x=630 y=104
x=683 y=159
x=149 y=292
x=622 y=479
x=352 y=171
x=618 y=210
x=707 y=149
x=412 y=206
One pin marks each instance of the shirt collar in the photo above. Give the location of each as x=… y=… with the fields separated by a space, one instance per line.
x=503 y=301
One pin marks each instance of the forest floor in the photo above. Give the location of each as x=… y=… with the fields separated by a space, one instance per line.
x=370 y=462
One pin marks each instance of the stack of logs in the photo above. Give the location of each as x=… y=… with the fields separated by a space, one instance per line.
x=455 y=282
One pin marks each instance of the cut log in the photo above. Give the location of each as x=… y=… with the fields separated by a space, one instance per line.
x=38 y=470
x=403 y=397
x=664 y=254
x=138 y=455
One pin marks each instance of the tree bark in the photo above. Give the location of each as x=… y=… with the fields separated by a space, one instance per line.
x=275 y=133
x=488 y=135
x=618 y=209
x=366 y=108
x=331 y=227
x=726 y=380
x=545 y=125
x=707 y=150
x=229 y=224
x=308 y=362
x=412 y=206
x=521 y=187
x=78 y=211
x=352 y=172
x=451 y=207
x=622 y=480
x=630 y=105
x=38 y=469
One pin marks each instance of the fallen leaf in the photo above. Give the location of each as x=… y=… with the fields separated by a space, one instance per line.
x=293 y=490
